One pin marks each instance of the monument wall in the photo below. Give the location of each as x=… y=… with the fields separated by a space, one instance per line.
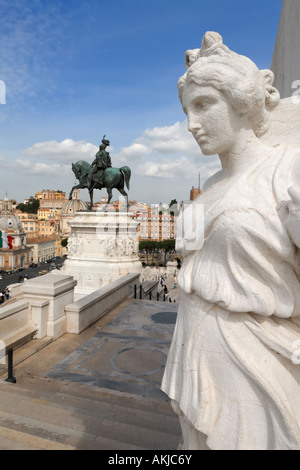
x=286 y=57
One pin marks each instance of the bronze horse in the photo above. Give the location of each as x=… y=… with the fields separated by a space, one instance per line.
x=112 y=178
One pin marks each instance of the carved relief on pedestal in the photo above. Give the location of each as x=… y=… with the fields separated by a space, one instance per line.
x=110 y=248
x=129 y=246
x=121 y=247
x=72 y=245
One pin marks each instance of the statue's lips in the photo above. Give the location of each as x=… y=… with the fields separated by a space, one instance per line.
x=200 y=137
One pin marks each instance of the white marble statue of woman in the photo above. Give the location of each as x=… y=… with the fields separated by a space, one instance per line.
x=233 y=369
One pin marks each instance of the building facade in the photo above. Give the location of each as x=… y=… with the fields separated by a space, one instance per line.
x=50 y=195
x=194 y=192
x=155 y=222
x=45 y=248
x=30 y=223
x=19 y=254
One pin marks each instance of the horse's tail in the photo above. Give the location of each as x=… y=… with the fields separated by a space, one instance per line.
x=127 y=174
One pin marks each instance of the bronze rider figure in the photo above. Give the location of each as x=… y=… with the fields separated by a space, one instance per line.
x=101 y=162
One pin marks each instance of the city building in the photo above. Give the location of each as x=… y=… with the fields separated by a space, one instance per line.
x=28 y=200
x=45 y=248
x=194 y=192
x=68 y=210
x=35 y=227
x=30 y=223
x=46 y=213
x=155 y=222
x=18 y=255
x=50 y=194
x=50 y=199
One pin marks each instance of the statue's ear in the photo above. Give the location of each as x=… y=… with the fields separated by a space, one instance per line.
x=191 y=56
x=272 y=96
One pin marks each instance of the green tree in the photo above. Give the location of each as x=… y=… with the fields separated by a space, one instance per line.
x=166 y=246
x=149 y=246
x=173 y=202
x=64 y=242
x=30 y=207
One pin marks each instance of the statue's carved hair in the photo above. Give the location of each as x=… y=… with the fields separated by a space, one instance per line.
x=248 y=89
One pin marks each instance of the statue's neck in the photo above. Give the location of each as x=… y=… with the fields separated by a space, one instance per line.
x=246 y=150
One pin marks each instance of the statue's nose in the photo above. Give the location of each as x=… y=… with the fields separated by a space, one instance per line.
x=193 y=123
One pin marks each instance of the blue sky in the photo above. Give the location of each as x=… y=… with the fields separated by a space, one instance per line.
x=75 y=70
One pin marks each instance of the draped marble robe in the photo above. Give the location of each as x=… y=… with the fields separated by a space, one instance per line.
x=233 y=370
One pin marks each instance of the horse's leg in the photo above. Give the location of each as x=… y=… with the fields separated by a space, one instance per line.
x=123 y=192
x=121 y=188
x=71 y=193
x=91 y=198
x=77 y=186
x=109 y=192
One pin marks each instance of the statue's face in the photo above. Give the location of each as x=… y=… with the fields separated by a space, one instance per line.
x=211 y=119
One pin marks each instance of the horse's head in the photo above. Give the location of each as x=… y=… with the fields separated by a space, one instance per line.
x=81 y=170
x=76 y=169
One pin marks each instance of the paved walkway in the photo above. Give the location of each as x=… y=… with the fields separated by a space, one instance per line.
x=105 y=380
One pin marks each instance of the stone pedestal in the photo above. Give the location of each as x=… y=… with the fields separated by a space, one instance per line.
x=102 y=247
x=48 y=295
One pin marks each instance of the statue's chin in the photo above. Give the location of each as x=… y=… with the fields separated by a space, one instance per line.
x=205 y=151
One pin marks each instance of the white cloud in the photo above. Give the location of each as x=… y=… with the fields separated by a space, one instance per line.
x=133 y=152
x=41 y=169
x=160 y=159
x=162 y=140
x=167 y=152
x=170 y=139
x=168 y=168
x=180 y=169
x=66 y=151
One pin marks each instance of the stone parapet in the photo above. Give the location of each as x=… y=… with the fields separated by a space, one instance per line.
x=87 y=310
x=48 y=295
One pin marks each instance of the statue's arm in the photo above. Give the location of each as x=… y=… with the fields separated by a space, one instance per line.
x=292 y=222
x=293 y=218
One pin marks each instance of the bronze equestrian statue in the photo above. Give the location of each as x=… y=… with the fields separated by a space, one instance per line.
x=100 y=174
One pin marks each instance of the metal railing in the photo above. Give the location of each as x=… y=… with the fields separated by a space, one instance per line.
x=10 y=377
x=141 y=295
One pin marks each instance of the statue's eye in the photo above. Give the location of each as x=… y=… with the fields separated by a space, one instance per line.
x=198 y=105
x=9 y=222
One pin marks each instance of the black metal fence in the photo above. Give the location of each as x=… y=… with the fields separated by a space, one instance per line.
x=10 y=377
x=150 y=296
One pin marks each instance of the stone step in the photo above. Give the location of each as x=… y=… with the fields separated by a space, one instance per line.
x=42 y=386
x=11 y=439
x=38 y=435
x=84 y=422
x=26 y=348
